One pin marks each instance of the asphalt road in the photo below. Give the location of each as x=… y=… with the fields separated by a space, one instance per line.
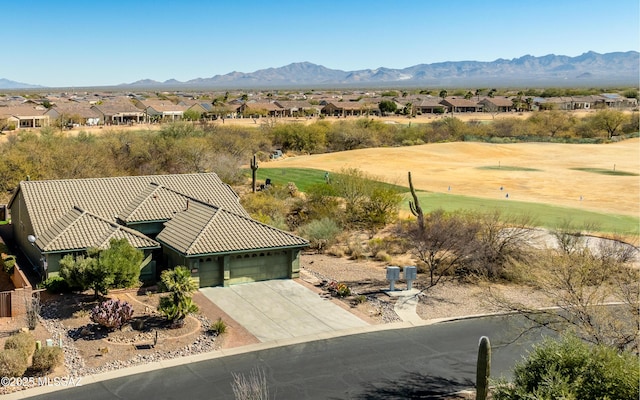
x=422 y=362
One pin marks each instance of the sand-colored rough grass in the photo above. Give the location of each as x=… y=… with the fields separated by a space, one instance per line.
x=459 y=168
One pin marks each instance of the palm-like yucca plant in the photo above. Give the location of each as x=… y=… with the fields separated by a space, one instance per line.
x=178 y=304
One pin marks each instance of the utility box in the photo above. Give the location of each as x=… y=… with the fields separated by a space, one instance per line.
x=410 y=273
x=393 y=275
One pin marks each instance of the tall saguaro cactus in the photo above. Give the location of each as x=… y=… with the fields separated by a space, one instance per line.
x=254 y=168
x=483 y=369
x=415 y=206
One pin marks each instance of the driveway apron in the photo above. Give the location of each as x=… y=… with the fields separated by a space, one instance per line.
x=280 y=309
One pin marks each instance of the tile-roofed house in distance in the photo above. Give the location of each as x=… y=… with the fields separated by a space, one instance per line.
x=350 y=108
x=460 y=104
x=497 y=104
x=429 y=105
x=157 y=110
x=298 y=108
x=118 y=111
x=24 y=116
x=265 y=108
x=75 y=113
x=193 y=219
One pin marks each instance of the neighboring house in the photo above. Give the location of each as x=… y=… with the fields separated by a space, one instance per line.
x=298 y=108
x=614 y=100
x=118 y=112
x=25 y=116
x=257 y=108
x=584 y=102
x=560 y=103
x=349 y=109
x=161 y=110
x=429 y=106
x=75 y=113
x=194 y=220
x=205 y=109
x=497 y=104
x=459 y=104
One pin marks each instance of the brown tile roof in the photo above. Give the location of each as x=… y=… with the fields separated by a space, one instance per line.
x=498 y=101
x=23 y=111
x=264 y=106
x=84 y=110
x=127 y=196
x=79 y=229
x=459 y=102
x=164 y=105
x=112 y=107
x=204 y=229
x=433 y=102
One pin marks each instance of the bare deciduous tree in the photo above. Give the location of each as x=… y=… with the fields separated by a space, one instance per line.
x=443 y=245
x=594 y=288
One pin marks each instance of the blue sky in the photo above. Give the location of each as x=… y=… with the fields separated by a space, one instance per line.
x=91 y=43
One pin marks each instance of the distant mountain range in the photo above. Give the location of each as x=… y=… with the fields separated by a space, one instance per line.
x=7 y=84
x=619 y=68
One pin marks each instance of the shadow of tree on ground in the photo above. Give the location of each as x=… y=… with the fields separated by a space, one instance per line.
x=416 y=386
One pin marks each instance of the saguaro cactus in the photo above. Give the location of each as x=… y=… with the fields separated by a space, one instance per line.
x=483 y=370
x=415 y=206
x=254 y=168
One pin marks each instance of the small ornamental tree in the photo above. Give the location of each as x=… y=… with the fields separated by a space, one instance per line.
x=112 y=314
x=102 y=269
x=178 y=304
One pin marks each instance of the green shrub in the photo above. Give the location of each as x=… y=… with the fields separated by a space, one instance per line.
x=360 y=299
x=23 y=342
x=355 y=250
x=56 y=284
x=573 y=369
x=12 y=363
x=219 y=327
x=383 y=256
x=8 y=262
x=320 y=233
x=47 y=358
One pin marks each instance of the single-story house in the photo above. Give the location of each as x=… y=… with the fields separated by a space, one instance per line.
x=261 y=108
x=298 y=108
x=193 y=220
x=161 y=110
x=614 y=100
x=459 y=104
x=497 y=104
x=25 y=116
x=75 y=113
x=349 y=109
x=429 y=106
x=118 y=112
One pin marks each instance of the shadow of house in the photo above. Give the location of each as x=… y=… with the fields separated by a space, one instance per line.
x=193 y=220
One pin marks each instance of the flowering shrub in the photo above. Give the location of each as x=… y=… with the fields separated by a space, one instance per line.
x=112 y=314
x=339 y=289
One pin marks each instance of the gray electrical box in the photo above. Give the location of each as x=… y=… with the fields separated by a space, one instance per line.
x=410 y=273
x=393 y=274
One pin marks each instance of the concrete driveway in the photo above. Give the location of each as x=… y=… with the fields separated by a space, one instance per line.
x=280 y=309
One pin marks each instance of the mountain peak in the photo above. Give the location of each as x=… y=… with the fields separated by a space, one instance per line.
x=588 y=68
